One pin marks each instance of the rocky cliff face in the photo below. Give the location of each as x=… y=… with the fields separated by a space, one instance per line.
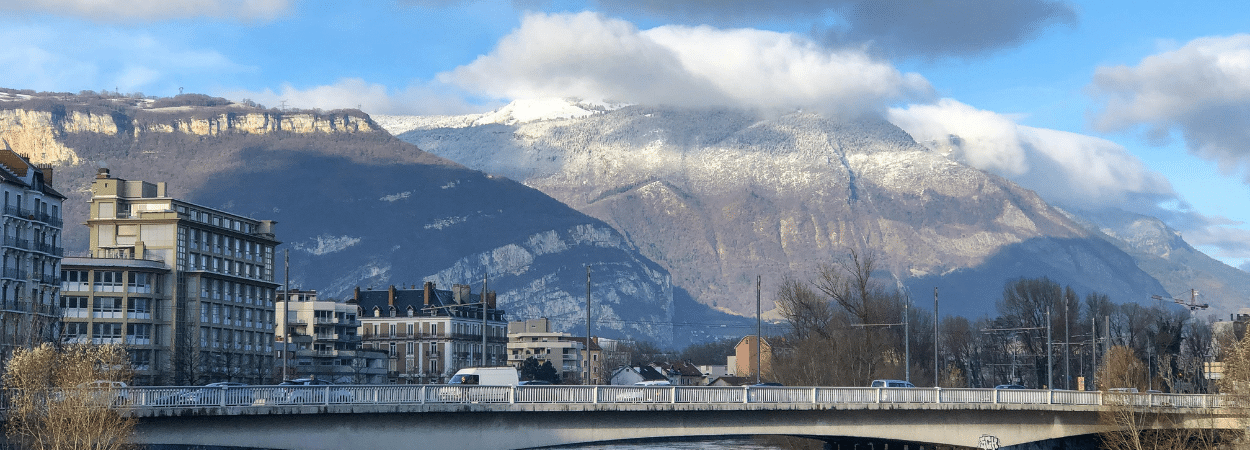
x=356 y=206
x=719 y=196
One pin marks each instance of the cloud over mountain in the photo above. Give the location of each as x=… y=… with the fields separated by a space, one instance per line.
x=587 y=55
x=924 y=29
x=1201 y=90
x=1063 y=167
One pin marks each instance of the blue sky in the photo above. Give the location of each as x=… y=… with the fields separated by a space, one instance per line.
x=1140 y=105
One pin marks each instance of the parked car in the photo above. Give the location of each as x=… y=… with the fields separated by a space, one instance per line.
x=211 y=394
x=113 y=393
x=312 y=390
x=1009 y=386
x=646 y=392
x=891 y=384
x=767 y=384
x=534 y=383
x=1123 y=390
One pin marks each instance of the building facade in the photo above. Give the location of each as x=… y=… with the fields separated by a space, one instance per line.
x=567 y=353
x=322 y=341
x=29 y=284
x=211 y=305
x=428 y=334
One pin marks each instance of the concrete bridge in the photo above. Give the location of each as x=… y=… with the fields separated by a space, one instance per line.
x=487 y=417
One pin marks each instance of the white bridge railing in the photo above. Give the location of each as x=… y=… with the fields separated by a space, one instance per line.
x=199 y=396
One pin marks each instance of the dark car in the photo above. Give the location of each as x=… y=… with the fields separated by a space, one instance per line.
x=310 y=390
x=767 y=384
x=534 y=383
x=1009 y=386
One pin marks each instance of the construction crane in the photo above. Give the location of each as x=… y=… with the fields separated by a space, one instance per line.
x=1192 y=303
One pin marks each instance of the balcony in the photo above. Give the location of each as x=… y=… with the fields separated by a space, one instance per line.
x=49 y=219
x=15 y=211
x=10 y=241
x=49 y=249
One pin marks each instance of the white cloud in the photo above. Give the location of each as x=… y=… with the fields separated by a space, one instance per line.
x=152 y=10
x=57 y=56
x=589 y=56
x=1201 y=90
x=1063 y=167
x=373 y=98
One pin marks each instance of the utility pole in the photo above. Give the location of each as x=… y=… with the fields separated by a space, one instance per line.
x=759 y=331
x=907 y=340
x=1050 y=378
x=484 y=278
x=936 y=375
x=586 y=360
x=286 y=306
x=1067 y=355
x=1093 y=345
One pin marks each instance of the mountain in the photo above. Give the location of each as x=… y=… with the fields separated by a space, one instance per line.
x=355 y=206
x=1162 y=252
x=718 y=196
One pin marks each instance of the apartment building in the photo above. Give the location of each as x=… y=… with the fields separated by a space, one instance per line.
x=189 y=287
x=29 y=287
x=428 y=334
x=322 y=341
x=567 y=353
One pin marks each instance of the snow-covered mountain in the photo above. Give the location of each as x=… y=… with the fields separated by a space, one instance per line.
x=718 y=196
x=355 y=206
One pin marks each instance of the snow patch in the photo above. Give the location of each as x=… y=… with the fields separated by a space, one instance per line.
x=533 y=110
x=325 y=244
x=394 y=197
x=445 y=222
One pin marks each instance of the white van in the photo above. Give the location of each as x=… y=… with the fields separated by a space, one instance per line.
x=486 y=376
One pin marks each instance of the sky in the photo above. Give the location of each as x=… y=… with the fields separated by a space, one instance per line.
x=1141 y=105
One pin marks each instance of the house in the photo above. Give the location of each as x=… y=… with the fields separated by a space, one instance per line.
x=730 y=380
x=32 y=254
x=534 y=338
x=681 y=373
x=627 y=376
x=428 y=333
x=322 y=341
x=745 y=357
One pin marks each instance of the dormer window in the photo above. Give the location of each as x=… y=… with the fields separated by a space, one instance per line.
x=377 y=312
x=411 y=312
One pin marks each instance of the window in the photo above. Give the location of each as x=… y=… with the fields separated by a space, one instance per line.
x=74 y=280
x=108 y=281
x=139 y=308
x=139 y=334
x=75 y=331
x=73 y=306
x=204 y=312
x=140 y=283
x=107 y=308
x=141 y=359
x=106 y=333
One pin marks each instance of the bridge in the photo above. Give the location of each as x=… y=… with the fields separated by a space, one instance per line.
x=500 y=417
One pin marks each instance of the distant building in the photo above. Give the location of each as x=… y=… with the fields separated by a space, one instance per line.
x=29 y=285
x=322 y=341
x=681 y=373
x=712 y=372
x=428 y=334
x=567 y=353
x=627 y=376
x=188 y=288
x=745 y=357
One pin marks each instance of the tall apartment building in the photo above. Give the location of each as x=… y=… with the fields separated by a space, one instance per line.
x=190 y=287
x=32 y=253
x=534 y=338
x=428 y=334
x=322 y=341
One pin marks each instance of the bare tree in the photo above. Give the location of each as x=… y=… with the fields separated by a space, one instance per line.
x=58 y=403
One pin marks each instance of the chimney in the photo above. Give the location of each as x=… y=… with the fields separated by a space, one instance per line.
x=429 y=292
x=160 y=189
x=490 y=299
x=356 y=295
x=47 y=174
x=390 y=296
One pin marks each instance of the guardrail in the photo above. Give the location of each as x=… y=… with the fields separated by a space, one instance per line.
x=201 y=396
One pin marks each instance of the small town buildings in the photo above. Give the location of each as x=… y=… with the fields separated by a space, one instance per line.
x=322 y=341
x=428 y=334
x=29 y=282
x=712 y=372
x=681 y=373
x=189 y=289
x=567 y=353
